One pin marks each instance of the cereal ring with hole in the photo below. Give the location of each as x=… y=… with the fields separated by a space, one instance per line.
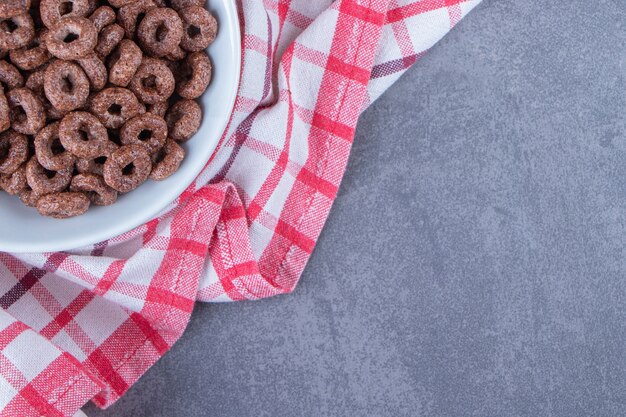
x=159 y=109
x=199 y=28
x=160 y=32
x=32 y=56
x=10 y=76
x=182 y=4
x=54 y=10
x=146 y=129
x=66 y=85
x=132 y=14
x=124 y=62
x=35 y=82
x=10 y=8
x=44 y=181
x=72 y=38
x=5 y=112
x=26 y=111
x=102 y=17
x=95 y=70
x=13 y=151
x=183 y=120
x=63 y=205
x=94 y=188
x=50 y=151
x=153 y=82
x=83 y=135
x=127 y=168
x=16 y=31
x=14 y=183
x=194 y=75
x=114 y=106
x=95 y=165
x=108 y=40
x=167 y=160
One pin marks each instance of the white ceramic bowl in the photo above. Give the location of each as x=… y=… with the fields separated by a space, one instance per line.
x=22 y=229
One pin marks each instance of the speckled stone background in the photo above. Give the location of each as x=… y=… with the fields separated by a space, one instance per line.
x=474 y=263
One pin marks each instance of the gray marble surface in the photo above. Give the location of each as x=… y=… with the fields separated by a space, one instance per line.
x=474 y=263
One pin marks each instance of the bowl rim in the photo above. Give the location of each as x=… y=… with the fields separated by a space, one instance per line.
x=176 y=190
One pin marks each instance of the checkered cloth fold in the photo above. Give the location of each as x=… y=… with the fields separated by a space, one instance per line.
x=86 y=324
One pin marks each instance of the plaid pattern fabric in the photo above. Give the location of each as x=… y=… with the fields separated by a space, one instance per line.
x=87 y=324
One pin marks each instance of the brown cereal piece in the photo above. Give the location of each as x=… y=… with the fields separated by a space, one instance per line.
x=183 y=120
x=95 y=70
x=161 y=31
x=63 y=205
x=83 y=135
x=127 y=168
x=124 y=62
x=114 y=106
x=10 y=77
x=5 y=112
x=194 y=76
x=13 y=151
x=16 y=32
x=72 y=38
x=146 y=129
x=94 y=188
x=102 y=17
x=108 y=40
x=50 y=151
x=44 y=181
x=66 y=85
x=199 y=28
x=129 y=16
x=10 y=8
x=54 y=10
x=14 y=183
x=35 y=82
x=177 y=54
x=29 y=197
x=182 y=4
x=120 y=3
x=26 y=111
x=153 y=82
x=159 y=109
x=33 y=55
x=94 y=165
x=167 y=161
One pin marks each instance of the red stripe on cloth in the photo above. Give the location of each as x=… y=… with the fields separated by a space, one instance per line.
x=151 y=334
x=39 y=403
x=165 y=297
x=414 y=9
x=8 y=334
x=353 y=72
x=325 y=187
x=98 y=359
x=295 y=236
x=366 y=14
x=110 y=276
x=332 y=126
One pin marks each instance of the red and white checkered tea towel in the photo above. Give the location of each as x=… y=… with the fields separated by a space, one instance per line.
x=84 y=325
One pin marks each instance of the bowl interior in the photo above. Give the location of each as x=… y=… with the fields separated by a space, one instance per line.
x=22 y=229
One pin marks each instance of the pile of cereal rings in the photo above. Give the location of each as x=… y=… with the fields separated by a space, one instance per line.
x=96 y=96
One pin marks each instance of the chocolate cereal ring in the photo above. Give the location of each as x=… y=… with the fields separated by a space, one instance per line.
x=54 y=10
x=108 y=40
x=160 y=31
x=177 y=54
x=16 y=31
x=159 y=109
x=35 y=83
x=5 y=112
x=14 y=183
x=199 y=28
x=167 y=161
x=183 y=120
x=66 y=85
x=26 y=111
x=31 y=56
x=83 y=135
x=44 y=181
x=146 y=129
x=72 y=38
x=153 y=82
x=127 y=168
x=102 y=17
x=10 y=8
x=92 y=166
x=182 y=4
x=194 y=76
x=120 y=3
x=124 y=62
x=10 y=77
x=94 y=70
x=130 y=16
x=114 y=106
x=94 y=188
x=13 y=151
x=50 y=151
x=63 y=205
